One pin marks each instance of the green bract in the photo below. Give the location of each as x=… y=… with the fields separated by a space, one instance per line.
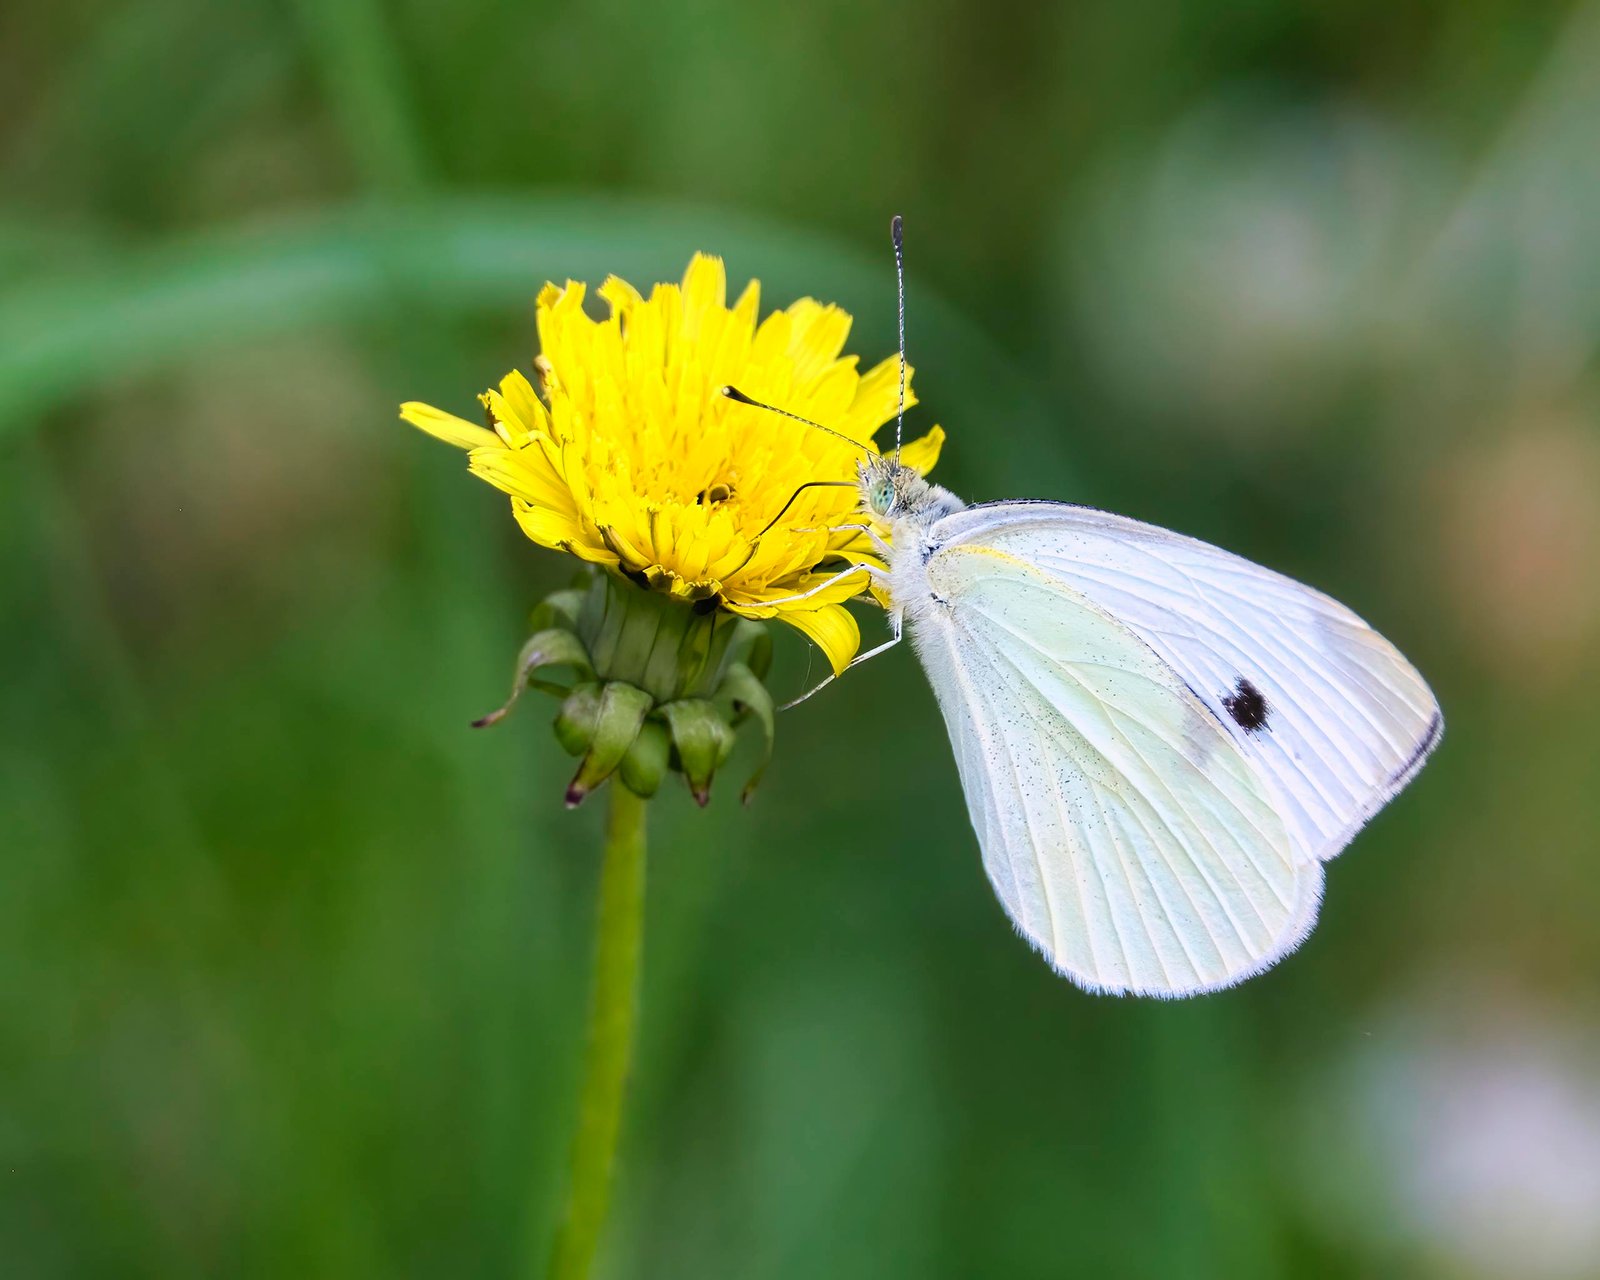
x=656 y=684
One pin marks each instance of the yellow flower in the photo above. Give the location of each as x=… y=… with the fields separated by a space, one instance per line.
x=629 y=457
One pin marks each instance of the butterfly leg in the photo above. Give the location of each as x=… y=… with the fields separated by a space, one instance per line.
x=870 y=570
x=883 y=547
x=894 y=639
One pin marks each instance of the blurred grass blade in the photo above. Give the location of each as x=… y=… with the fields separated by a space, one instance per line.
x=158 y=308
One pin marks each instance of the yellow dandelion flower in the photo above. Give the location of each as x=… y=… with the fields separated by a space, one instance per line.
x=628 y=456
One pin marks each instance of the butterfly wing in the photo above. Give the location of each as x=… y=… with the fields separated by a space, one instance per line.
x=1328 y=710
x=1123 y=828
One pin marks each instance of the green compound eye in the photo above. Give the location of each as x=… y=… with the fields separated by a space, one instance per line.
x=882 y=498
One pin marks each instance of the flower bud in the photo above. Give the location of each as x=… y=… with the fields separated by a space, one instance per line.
x=658 y=684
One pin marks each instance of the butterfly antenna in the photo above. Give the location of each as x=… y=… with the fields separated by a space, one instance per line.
x=897 y=234
x=739 y=397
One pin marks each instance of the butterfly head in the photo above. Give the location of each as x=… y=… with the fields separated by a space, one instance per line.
x=893 y=492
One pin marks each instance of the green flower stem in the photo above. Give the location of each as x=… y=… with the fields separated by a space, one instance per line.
x=619 y=933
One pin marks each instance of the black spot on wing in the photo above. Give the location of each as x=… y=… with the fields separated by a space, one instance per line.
x=1247 y=706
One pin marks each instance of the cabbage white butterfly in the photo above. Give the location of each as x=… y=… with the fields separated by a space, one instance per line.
x=1160 y=743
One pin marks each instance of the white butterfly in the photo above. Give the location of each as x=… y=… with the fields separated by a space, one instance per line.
x=1160 y=743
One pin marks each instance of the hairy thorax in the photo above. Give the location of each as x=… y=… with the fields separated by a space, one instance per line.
x=898 y=496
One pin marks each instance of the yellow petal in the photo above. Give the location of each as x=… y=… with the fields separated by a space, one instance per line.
x=832 y=629
x=524 y=404
x=524 y=474
x=620 y=295
x=920 y=455
x=550 y=529
x=560 y=320
x=818 y=336
x=705 y=285
x=446 y=426
x=877 y=397
x=841 y=587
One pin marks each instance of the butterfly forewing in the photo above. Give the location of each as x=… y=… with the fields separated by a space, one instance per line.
x=1123 y=826
x=1327 y=709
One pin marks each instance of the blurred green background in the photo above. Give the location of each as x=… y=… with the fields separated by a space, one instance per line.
x=292 y=964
